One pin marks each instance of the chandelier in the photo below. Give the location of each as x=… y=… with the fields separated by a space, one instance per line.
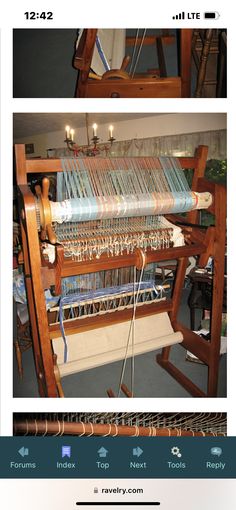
x=93 y=148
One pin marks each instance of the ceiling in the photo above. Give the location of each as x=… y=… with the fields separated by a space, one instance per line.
x=28 y=124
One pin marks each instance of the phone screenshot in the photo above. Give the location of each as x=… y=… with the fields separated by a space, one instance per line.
x=117 y=238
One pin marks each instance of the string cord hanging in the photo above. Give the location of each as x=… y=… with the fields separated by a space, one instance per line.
x=139 y=52
x=131 y=331
x=134 y=51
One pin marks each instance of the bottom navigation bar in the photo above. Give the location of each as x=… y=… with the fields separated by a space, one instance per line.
x=107 y=457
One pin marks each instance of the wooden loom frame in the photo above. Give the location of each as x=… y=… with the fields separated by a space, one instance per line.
x=199 y=242
x=146 y=86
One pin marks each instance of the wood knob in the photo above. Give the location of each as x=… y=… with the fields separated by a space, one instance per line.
x=140 y=259
x=45 y=187
x=38 y=190
x=125 y=62
x=51 y=235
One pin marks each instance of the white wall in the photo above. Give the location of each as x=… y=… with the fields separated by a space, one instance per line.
x=159 y=125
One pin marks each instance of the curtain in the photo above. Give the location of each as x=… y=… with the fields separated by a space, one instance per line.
x=174 y=145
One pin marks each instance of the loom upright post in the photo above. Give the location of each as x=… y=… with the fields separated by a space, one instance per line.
x=35 y=295
x=185 y=61
x=214 y=240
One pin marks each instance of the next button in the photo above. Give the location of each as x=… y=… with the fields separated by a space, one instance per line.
x=138 y=465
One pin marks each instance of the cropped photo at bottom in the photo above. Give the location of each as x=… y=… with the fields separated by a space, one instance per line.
x=119 y=255
x=120 y=424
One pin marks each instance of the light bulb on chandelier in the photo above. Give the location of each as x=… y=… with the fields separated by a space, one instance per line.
x=91 y=149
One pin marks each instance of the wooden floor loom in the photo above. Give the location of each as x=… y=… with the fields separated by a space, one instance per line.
x=125 y=82
x=120 y=424
x=122 y=327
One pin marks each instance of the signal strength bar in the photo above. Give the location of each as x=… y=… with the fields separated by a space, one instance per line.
x=181 y=15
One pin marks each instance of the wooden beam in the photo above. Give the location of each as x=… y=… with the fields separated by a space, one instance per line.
x=118 y=316
x=146 y=87
x=151 y=39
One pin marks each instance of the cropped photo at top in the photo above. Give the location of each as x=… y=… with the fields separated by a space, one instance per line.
x=113 y=63
x=120 y=255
